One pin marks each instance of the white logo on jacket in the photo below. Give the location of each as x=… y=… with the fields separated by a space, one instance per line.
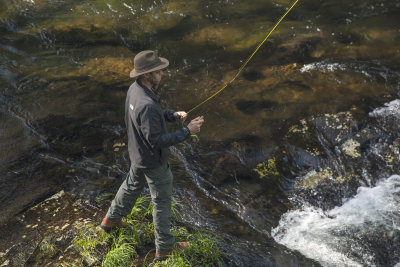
x=131 y=106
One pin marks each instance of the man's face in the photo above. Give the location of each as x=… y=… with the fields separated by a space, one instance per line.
x=155 y=78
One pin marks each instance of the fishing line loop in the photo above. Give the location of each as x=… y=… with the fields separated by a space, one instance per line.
x=246 y=62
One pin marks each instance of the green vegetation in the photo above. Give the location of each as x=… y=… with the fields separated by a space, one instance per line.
x=134 y=245
x=104 y=196
x=203 y=251
x=47 y=246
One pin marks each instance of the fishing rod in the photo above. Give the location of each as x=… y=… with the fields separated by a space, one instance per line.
x=245 y=63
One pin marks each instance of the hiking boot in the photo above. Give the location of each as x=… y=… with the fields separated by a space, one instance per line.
x=108 y=224
x=177 y=247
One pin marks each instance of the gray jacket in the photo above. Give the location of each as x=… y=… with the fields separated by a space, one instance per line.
x=148 y=139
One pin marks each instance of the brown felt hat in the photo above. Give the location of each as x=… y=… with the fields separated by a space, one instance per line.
x=147 y=61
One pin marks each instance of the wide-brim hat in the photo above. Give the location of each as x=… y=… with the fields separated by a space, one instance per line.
x=147 y=61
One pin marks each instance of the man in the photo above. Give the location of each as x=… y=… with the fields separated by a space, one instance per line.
x=148 y=142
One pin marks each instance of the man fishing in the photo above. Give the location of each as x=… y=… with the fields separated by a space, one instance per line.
x=148 y=146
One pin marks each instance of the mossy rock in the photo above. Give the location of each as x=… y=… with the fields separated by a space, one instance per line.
x=313 y=178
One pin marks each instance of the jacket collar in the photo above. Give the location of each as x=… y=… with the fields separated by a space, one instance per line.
x=149 y=92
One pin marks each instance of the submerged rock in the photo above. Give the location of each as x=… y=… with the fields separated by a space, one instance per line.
x=106 y=70
x=232 y=36
x=236 y=165
x=78 y=31
x=169 y=15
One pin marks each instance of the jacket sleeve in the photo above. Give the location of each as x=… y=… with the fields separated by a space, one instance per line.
x=154 y=132
x=169 y=115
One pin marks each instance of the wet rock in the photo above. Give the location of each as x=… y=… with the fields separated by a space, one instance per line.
x=335 y=127
x=222 y=171
x=19 y=193
x=351 y=148
x=61 y=132
x=15 y=138
x=236 y=165
x=48 y=242
x=314 y=178
x=351 y=153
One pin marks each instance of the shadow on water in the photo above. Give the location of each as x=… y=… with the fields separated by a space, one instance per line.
x=294 y=130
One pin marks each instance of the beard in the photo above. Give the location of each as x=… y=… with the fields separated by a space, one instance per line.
x=155 y=84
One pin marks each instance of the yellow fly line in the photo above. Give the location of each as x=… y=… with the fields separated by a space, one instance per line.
x=247 y=61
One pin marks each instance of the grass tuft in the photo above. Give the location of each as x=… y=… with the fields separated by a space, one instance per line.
x=125 y=246
x=121 y=255
x=203 y=251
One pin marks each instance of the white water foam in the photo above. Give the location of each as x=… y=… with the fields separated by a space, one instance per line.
x=390 y=109
x=322 y=235
x=322 y=66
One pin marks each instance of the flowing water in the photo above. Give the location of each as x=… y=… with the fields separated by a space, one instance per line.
x=298 y=160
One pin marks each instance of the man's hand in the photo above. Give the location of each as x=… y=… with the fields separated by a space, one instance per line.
x=180 y=115
x=195 y=124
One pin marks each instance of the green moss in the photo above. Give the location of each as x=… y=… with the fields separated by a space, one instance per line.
x=203 y=251
x=265 y=169
x=120 y=247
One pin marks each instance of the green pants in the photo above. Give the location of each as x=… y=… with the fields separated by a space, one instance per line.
x=159 y=181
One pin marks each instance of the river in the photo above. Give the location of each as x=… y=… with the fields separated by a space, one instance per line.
x=297 y=163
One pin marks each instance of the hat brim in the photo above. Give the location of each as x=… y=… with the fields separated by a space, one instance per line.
x=164 y=63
